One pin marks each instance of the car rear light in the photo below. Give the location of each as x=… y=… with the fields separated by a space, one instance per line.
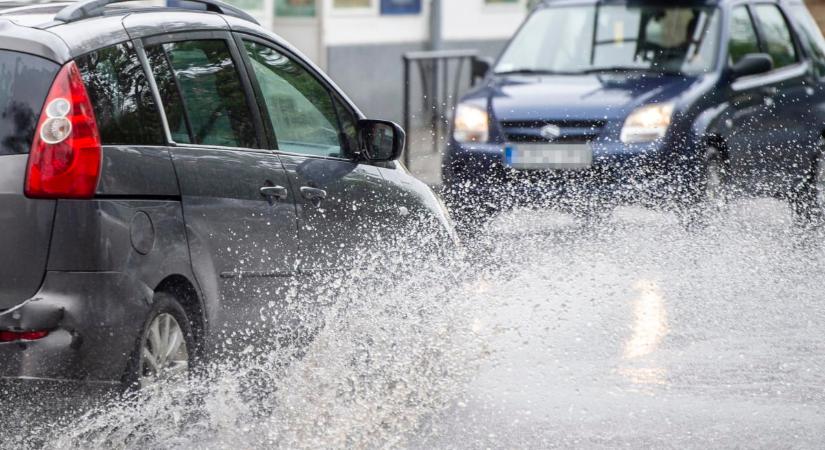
x=65 y=157
x=12 y=336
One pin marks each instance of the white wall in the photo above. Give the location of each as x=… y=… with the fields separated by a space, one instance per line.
x=368 y=26
x=304 y=33
x=462 y=20
x=474 y=20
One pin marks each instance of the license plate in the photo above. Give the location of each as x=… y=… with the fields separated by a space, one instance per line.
x=549 y=156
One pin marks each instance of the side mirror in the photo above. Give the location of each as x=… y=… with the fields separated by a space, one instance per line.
x=381 y=140
x=481 y=66
x=753 y=64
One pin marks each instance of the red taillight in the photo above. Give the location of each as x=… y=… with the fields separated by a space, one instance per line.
x=65 y=155
x=11 y=336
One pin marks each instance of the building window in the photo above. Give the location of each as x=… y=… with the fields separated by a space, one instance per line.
x=352 y=4
x=400 y=7
x=295 y=8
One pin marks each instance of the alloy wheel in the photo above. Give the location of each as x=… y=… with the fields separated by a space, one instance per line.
x=163 y=352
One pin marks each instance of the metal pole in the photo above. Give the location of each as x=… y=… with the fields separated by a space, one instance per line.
x=436 y=25
x=407 y=110
x=436 y=43
x=321 y=21
x=269 y=14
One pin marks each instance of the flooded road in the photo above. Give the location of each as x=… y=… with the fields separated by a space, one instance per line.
x=551 y=334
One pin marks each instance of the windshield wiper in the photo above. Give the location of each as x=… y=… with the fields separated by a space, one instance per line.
x=527 y=71
x=617 y=69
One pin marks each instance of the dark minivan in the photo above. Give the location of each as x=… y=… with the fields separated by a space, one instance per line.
x=164 y=174
x=675 y=103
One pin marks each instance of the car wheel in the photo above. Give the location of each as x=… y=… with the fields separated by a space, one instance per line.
x=710 y=194
x=165 y=347
x=808 y=203
x=716 y=182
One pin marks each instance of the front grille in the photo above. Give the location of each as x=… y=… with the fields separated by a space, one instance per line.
x=572 y=131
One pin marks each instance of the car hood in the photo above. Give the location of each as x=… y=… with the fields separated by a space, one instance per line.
x=579 y=97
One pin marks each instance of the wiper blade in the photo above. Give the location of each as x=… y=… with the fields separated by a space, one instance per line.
x=615 y=69
x=526 y=71
x=629 y=69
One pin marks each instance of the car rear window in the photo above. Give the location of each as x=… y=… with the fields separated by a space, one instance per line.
x=24 y=84
x=121 y=96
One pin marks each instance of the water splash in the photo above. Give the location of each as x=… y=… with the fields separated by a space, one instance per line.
x=532 y=338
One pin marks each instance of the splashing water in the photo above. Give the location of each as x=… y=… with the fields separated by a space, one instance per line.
x=545 y=333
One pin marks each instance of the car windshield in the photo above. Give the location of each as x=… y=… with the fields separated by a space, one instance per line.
x=603 y=38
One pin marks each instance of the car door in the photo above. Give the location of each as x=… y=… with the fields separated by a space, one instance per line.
x=238 y=207
x=811 y=38
x=747 y=104
x=337 y=196
x=768 y=130
x=788 y=100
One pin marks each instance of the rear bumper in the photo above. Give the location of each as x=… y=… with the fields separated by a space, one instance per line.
x=647 y=173
x=95 y=319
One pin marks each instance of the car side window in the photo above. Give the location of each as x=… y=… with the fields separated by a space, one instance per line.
x=812 y=37
x=743 y=37
x=778 y=41
x=121 y=97
x=300 y=108
x=206 y=81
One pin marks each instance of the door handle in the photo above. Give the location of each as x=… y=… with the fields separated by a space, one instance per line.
x=313 y=194
x=275 y=192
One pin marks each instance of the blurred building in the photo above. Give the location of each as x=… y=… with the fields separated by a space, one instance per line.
x=360 y=42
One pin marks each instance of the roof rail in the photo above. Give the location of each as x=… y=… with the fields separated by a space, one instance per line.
x=31 y=7
x=86 y=9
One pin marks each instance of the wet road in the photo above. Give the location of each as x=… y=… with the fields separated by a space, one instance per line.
x=647 y=336
x=551 y=334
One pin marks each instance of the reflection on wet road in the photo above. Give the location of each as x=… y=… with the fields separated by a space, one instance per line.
x=649 y=328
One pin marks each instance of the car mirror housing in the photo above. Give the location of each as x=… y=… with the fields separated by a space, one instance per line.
x=381 y=140
x=753 y=64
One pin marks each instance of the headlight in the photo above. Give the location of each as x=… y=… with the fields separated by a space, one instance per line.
x=472 y=124
x=648 y=123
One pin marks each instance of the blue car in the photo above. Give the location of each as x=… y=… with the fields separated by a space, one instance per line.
x=678 y=103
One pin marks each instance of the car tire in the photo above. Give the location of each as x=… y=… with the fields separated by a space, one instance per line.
x=808 y=202
x=167 y=339
x=716 y=195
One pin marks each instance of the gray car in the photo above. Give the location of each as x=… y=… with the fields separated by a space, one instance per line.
x=158 y=166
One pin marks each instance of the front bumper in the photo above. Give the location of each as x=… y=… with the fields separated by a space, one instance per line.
x=95 y=319
x=621 y=174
